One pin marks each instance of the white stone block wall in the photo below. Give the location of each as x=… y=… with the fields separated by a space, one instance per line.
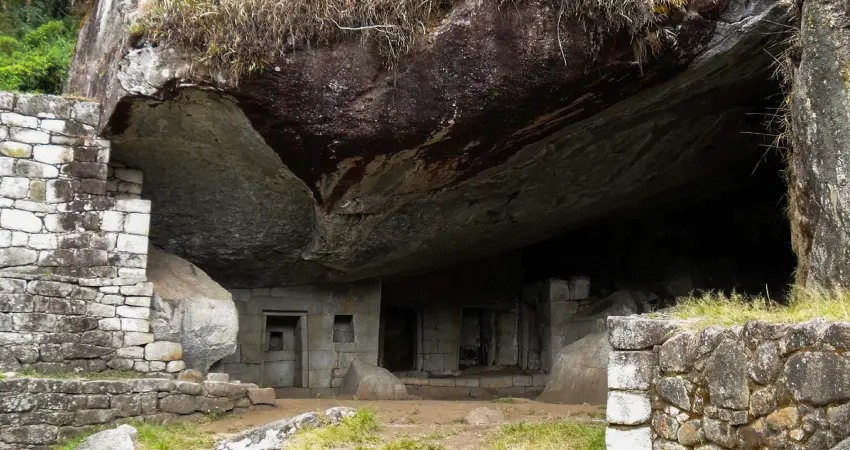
x=73 y=252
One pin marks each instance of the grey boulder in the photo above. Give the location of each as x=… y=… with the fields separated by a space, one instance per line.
x=272 y=436
x=368 y=382
x=120 y=438
x=580 y=374
x=192 y=309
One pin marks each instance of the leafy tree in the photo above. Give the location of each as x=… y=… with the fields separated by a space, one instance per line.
x=37 y=40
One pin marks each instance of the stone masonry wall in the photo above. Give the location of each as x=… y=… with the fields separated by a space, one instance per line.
x=327 y=361
x=36 y=413
x=761 y=385
x=73 y=246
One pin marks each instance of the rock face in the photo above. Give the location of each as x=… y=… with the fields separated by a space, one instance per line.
x=332 y=168
x=368 y=382
x=818 y=193
x=191 y=309
x=580 y=373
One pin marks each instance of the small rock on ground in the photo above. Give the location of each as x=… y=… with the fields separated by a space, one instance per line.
x=484 y=416
x=120 y=438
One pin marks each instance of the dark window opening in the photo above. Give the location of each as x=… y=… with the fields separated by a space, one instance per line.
x=343 y=329
x=400 y=331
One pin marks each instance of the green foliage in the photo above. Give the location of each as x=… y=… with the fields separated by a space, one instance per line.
x=171 y=436
x=362 y=428
x=563 y=435
x=36 y=45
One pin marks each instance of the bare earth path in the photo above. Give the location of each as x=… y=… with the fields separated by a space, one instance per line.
x=442 y=421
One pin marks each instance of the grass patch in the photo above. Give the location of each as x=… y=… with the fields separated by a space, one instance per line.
x=105 y=375
x=506 y=400
x=562 y=435
x=172 y=436
x=717 y=308
x=361 y=429
x=410 y=444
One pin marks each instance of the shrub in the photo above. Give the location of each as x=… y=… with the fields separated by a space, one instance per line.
x=38 y=62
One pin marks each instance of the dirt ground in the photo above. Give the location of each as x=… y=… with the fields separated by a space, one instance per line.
x=442 y=421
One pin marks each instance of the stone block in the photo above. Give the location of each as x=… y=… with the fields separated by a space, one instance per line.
x=113 y=324
x=503 y=381
x=52 y=154
x=677 y=391
x=726 y=376
x=140 y=325
x=43 y=241
x=19 y=239
x=75 y=324
x=120 y=364
x=50 y=288
x=72 y=350
x=820 y=378
x=189 y=387
x=144 y=302
x=105 y=387
x=100 y=310
x=217 y=405
x=632 y=370
x=87 y=113
x=135 y=338
x=133 y=206
x=131 y=352
x=15 y=149
x=175 y=366
x=17 y=256
x=221 y=389
x=163 y=351
x=29 y=434
x=133 y=312
x=18 y=120
x=34 y=322
x=28 y=136
x=59 y=191
x=765 y=364
x=79 y=169
x=691 y=433
x=111 y=300
x=178 y=404
x=218 y=376
x=14 y=187
x=129 y=175
x=802 y=335
x=628 y=408
x=12 y=219
x=132 y=243
x=93 y=416
x=112 y=221
x=5 y=238
x=140 y=289
x=261 y=396
x=638 y=333
x=12 y=286
x=522 y=380
x=43 y=106
x=33 y=169
x=126 y=405
x=628 y=438
x=7 y=164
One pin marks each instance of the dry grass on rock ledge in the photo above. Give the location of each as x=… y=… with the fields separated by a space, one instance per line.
x=717 y=308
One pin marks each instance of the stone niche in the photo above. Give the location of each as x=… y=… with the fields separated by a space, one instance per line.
x=73 y=246
x=763 y=385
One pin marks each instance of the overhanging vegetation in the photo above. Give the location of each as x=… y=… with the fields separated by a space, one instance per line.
x=240 y=36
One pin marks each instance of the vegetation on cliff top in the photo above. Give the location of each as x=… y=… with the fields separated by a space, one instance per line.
x=239 y=36
x=37 y=39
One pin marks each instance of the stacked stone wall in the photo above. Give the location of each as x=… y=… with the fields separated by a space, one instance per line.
x=36 y=413
x=73 y=246
x=762 y=385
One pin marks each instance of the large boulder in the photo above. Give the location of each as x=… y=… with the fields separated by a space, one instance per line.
x=367 y=382
x=512 y=124
x=120 y=438
x=580 y=374
x=273 y=435
x=192 y=309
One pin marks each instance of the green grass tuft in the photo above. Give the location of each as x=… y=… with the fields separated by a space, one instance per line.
x=173 y=436
x=563 y=435
x=717 y=308
x=410 y=444
x=362 y=428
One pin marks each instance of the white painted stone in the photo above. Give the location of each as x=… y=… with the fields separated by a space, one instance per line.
x=43 y=241
x=136 y=223
x=14 y=187
x=628 y=438
x=131 y=352
x=18 y=120
x=98 y=310
x=112 y=324
x=133 y=205
x=52 y=154
x=134 y=338
x=140 y=325
x=628 y=408
x=7 y=166
x=5 y=238
x=129 y=175
x=12 y=219
x=175 y=366
x=163 y=351
x=28 y=136
x=133 y=312
x=16 y=149
x=132 y=243
x=112 y=221
x=138 y=301
x=20 y=239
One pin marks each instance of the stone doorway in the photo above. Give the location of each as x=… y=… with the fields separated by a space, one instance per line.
x=285 y=362
x=477 y=343
x=401 y=331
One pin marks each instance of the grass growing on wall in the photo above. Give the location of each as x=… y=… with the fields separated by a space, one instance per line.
x=239 y=36
x=717 y=308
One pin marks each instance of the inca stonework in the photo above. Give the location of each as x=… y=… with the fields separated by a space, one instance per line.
x=761 y=385
x=73 y=246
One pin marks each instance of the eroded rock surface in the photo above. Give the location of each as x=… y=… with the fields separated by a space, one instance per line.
x=326 y=166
